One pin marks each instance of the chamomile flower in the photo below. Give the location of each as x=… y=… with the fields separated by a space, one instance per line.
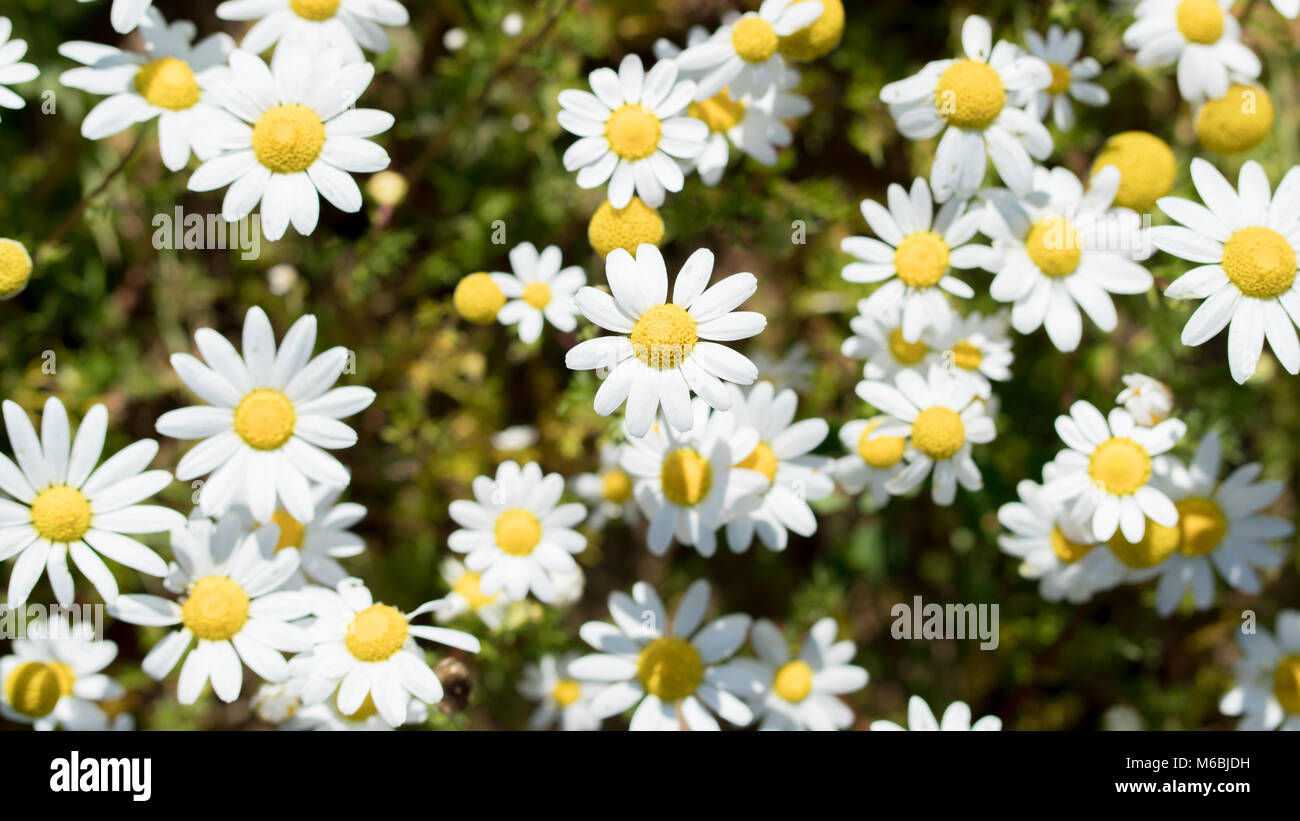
x=742 y=56
x=872 y=461
x=125 y=15
x=15 y=268
x=167 y=82
x=53 y=679
x=792 y=369
x=562 y=700
x=630 y=130
x=626 y=228
x=804 y=693
x=1070 y=76
x=348 y=25
x=1149 y=400
x=941 y=419
x=665 y=350
x=287 y=135
x=1246 y=243
x=1219 y=527
x=1106 y=470
x=1267 y=693
x=12 y=70
x=324 y=538
x=1147 y=166
x=976 y=348
x=366 y=650
x=1201 y=36
x=231 y=609
x=675 y=672
x=269 y=419
x=538 y=291
x=689 y=484
x=608 y=491
x=971 y=101
x=914 y=256
x=62 y=505
x=467 y=596
x=326 y=717
x=878 y=338
x=955 y=718
x=1236 y=122
x=756 y=126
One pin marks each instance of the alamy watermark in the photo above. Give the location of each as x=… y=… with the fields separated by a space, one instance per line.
x=946 y=621
x=179 y=231
x=52 y=622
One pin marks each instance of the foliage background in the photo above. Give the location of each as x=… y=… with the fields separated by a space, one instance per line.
x=477 y=138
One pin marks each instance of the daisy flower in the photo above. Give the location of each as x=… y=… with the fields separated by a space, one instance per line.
x=793 y=369
x=125 y=15
x=326 y=717
x=347 y=25
x=971 y=102
x=467 y=596
x=878 y=338
x=1147 y=165
x=230 y=609
x=630 y=129
x=1245 y=242
x=53 y=680
x=804 y=693
x=940 y=418
x=561 y=699
x=1150 y=401
x=978 y=350
x=324 y=538
x=1062 y=249
x=538 y=290
x=688 y=485
x=12 y=71
x=1201 y=36
x=872 y=461
x=915 y=257
x=671 y=671
x=62 y=505
x=1267 y=694
x=1107 y=467
x=1219 y=528
x=756 y=126
x=288 y=134
x=1070 y=76
x=955 y=718
x=366 y=650
x=167 y=82
x=269 y=414
x=665 y=350
x=607 y=492
x=742 y=56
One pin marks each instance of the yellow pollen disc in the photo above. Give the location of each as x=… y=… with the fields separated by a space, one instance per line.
x=537 y=294
x=66 y=677
x=1200 y=21
x=1060 y=79
x=1260 y=262
x=167 y=83
x=819 y=38
x=1202 y=524
x=15 y=268
x=1147 y=168
x=616 y=486
x=664 y=336
x=1066 y=550
x=478 y=298
x=967 y=356
x=754 y=39
x=288 y=138
x=686 y=477
x=938 y=432
x=566 y=691
x=921 y=259
x=1286 y=683
x=881 y=452
x=1236 y=122
x=970 y=95
x=1157 y=544
x=32 y=689
x=720 y=113
x=669 y=668
x=1120 y=465
x=291 y=530
x=517 y=531
x=907 y=353
x=761 y=460
x=468 y=587
x=1054 y=246
x=316 y=10
x=793 y=681
x=365 y=711
x=264 y=419
x=216 y=608
x=627 y=228
x=376 y=633
x=61 y=514
x=633 y=131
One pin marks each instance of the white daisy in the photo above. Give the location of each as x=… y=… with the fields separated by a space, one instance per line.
x=672 y=671
x=269 y=414
x=230 y=610
x=12 y=71
x=125 y=15
x=1287 y=8
x=804 y=693
x=742 y=55
x=53 y=678
x=955 y=718
x=665 y=49
x=467 y=596
x=1070 y=76
x=918 y=251
x=326 y=717
x=978 y=350
x=872 y=461
x=756 y=126
x=940 y=418
x=971 y=102
x=324 y=538
x=561 y=699
x=1246 y=242
x=62 y=505
x=1150 y=401
x=792 y=369
x=630 y=129
x=1106 y=471
x=169 y=81
x=1201 y=36
x=516 y=533
x=538 y=290
x=1267 y=694
x=607 y=492
x=665 y=350
x=878 y=338
x=348 y=25
x=285 y=133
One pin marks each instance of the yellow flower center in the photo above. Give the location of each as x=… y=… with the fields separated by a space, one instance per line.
x=616 y=486
x=291 y=530
x=626 y=228
x=468 y=588
x=816 y=40
x=761 y=460
x=15 y=267
x=1120 y=466
x=1286 y=683
x=1202 y=526
x=314 y=9
x=921 y=259
x=388 y=187
x=478 y=298
x=686 y=477
x=881 y=452
x=970 y=95
x=566 y=691
x=938 y=432
x=907 y=353
x=1066 y=550
x=33 y=689
x=967 y=355
x=1157 y=544
x=1260 y=262
x=1200 y=21
x=719 y=112
x=517 y=531
x=66 y=677
x=1236 y=122
x=537 y=294
x=61 y=514
x=167 y=83
x=376 y=633
x=633 y=131
x=754 y=39
x=288 y=138
x=1055 y=246
x=793 y=681
x=669 y=668
x=365 y=711
x=1060 y=79
x=1146 y=165
x=216 y=608
x=264 y=419
x=664 y=336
